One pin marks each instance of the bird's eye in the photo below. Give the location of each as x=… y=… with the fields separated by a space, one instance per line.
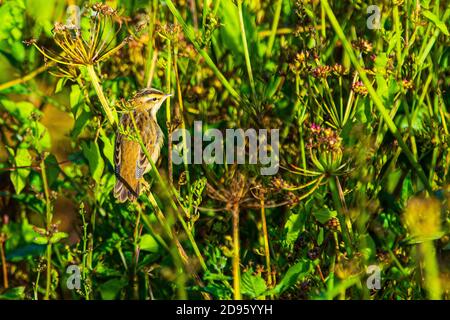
x=153 y=99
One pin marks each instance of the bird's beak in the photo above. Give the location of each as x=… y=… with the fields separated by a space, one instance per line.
x=168 y=95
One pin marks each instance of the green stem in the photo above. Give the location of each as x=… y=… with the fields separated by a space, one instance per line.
x=236 y=254
x=273 y=31
x=48 y=220
x=36 y=285
x=178 y=255
x=266 y=242
x=398 y=40
x=151 y=30
x=168 y=111
x=376 y=99
x=246 y=53
x=101 y=96
x=85 y=252
x=432 y=41
x=27 y=77
x=136 y=249
x=432 y=282
x=3 y=260
x=341 y=215
x=179 y=112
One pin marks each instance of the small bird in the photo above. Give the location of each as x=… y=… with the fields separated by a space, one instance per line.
x=130 y=161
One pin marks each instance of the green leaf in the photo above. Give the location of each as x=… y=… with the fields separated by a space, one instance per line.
x=321 y=236
x=18 y=50
x=324 y=214
x=368 y=247
x=437 y=22
x=293 y=227
x=27 y=251
x=230 y=37
x=19 y=110
x=148 y=243
x=60 y=85
x=251 y=285
x=108 y=148
x=58 y=236
x=52 y=169
x=43 y=140
x=19 y=176
x=76 y=100
x=17 y=293
x=80 y=111
x=96 y=164
x=420 y=239
x=40 y=240
x=111 y=288
x=80 y=123
x=295 y=273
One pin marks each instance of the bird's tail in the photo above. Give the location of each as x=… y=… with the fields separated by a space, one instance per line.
x=123 y=191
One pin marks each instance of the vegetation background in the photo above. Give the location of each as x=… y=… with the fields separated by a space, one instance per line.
x=364 y=175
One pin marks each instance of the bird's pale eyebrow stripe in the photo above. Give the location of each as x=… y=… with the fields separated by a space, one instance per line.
x=147 y=91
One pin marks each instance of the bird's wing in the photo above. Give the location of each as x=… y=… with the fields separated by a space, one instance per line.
x=126 y=153
x=149 y=134
x=118 y=153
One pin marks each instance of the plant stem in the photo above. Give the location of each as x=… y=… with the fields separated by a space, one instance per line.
x=48 y=220
x=101 y=96
x=136 y=251
x=432 y=282
x=236 y=253
x=168 y=111
x=182 y=254
x=273 y=31
x=27 y=77
x=3 y=258
x=151 y=50
x=266 y=242
x=246 y=53
x=398 y=40
x=36 y=285
x=179 y=112
x=341 y=215
x=85 y=252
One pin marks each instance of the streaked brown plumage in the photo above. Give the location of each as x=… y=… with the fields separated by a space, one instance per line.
x=130 y=161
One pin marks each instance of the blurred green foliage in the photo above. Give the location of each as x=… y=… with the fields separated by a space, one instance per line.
x=347 y=195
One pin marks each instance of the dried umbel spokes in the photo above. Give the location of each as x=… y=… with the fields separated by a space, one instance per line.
x=80 y=48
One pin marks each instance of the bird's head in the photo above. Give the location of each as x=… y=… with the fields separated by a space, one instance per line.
x=149 y=99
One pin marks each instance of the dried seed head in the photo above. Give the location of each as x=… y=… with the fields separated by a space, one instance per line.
x=104 y=9
x=359 y=88
x=339 y=70
x=362 y=45
x=322 y=72
x=407 y=84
